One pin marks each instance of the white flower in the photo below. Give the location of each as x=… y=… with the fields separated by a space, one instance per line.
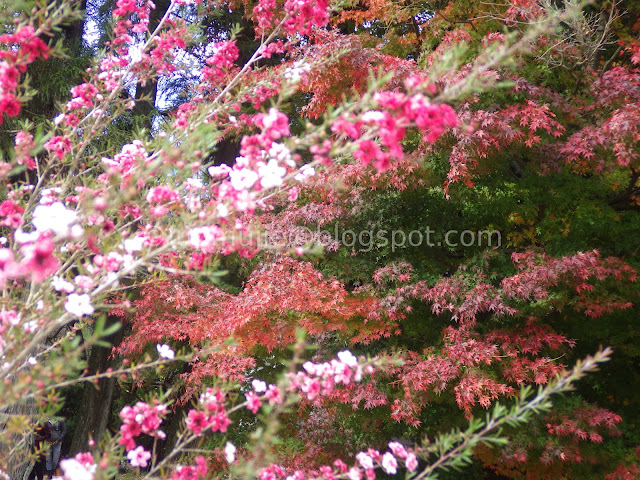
x=61 y=285
x=165 y=351
x=243 y=179
x=365 y=460
x=243 y=162
x=305 y=172
x=271 y=174
x=281 y=153
x=55 y=218
x=76 y=231
x=219 y=170
x=354 y=473
x=259 y=386
x=389 y=463
x=134 y=244
x=74 y=470
x=127 y=261
x=373 y=116
x=222 y=210
x=348 y=358
x=22 y=238
x=30 y=326
x=139 y=457
x=49 y=195
x=295 y=72
x=194 y=183
x=79 y=305
x=230 y=452
x=32 y=361
x=245 y=201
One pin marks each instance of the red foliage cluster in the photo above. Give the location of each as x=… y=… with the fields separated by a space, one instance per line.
x=460 y=360
x=568 y=433
x=349 y=71
x=278 y=298
x=629 y=470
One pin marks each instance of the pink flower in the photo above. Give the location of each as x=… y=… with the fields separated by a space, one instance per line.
x=142 y=418
x=220 y=62
x=253 y=402
x=355 y=473
x=274 y=395
x=138 y=457
x=9 y=104
x=84 y=282
x=389 y=464
x=75 y=470
x=340 y=465
x=24 y=148
x=197 y=421
x=365 y=460
x=191 y=472
x=220 y=422
x=58 y=146
x=274 y=125
x=39 y=261
x=83 y=96
x=411 y=462
x=8 y=76
x=368 y=151
x=8 y=266
x=398 y=449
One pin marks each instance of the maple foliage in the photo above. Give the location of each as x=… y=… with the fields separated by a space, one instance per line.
x=277 y=299
x=347 y=72
x=572 y=437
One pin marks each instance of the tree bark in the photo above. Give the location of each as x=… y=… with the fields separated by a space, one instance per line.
x=146 y=95
x=92 y=420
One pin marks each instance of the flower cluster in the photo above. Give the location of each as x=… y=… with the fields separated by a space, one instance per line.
x=24 y=149
x=400 y=111
x=304 y=15
x=80 y=467
x=388 y=461
x=321 y=378
x=262 y=391
x=23 y=47
x=220 y=63
x=213 y=414
x=262 y=165
x=139 y=419
x=126 y=162
x=199 y=470
x=366 y=463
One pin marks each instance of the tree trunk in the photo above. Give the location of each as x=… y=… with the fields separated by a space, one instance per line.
x=93 y=418
x=171 y=427
x=146 y=95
